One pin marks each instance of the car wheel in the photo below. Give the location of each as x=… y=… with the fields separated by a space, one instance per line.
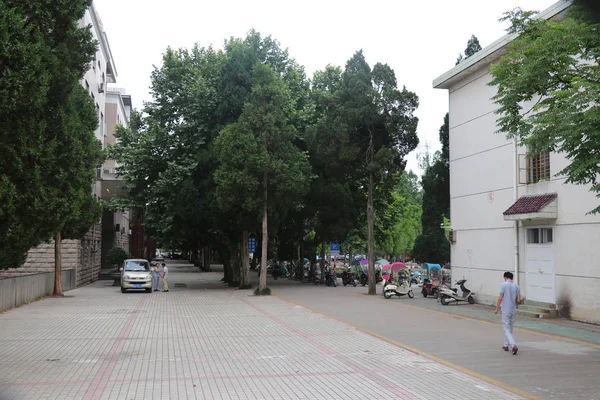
x=148 y=290
x=123 y=290
x=471 y=300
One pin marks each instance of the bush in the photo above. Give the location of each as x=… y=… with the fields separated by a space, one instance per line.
x=264 y=292
x=117 y=255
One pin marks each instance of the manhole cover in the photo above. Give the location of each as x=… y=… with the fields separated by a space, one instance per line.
x=180 y=285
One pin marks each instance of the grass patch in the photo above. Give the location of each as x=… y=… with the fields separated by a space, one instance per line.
x=265 y=292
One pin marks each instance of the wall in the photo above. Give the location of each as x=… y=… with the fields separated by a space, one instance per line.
x=481 y=189
x=19 y=290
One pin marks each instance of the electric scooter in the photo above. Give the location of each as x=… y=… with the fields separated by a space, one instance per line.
x=390 y=289
x=451 y=294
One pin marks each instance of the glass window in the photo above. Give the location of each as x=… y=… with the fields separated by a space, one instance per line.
x=538 y=167
x=547 y=235
x=533 y=235
x=137 y=266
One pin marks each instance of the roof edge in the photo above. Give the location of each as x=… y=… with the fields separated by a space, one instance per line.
x=443 y=81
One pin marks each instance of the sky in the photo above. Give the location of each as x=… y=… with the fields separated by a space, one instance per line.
x=420 y=40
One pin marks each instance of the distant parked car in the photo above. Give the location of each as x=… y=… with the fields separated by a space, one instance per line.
x=136 y=275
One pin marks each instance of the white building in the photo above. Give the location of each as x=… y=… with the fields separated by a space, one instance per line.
x=510 y=212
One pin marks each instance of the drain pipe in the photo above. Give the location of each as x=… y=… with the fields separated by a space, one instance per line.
x=515 y=198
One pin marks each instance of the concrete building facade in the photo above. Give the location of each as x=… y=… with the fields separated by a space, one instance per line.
x=511 y=211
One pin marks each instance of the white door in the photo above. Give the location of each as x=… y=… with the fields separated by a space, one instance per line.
x=540 y=267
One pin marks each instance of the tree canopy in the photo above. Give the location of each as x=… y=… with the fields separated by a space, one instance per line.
x=48 y=122
x=548 y=89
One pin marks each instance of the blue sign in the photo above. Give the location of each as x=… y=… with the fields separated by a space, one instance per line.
x=334 y=247
x=252 y=244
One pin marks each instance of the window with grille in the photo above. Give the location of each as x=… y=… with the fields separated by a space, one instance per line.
x=538 y=167
x=539 y=235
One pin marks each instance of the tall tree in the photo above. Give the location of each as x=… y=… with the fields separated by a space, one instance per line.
x=381 y=128
x=43 y=54
x=260 y=167
x=473 y=47
x=432 y=245
x=548 y=90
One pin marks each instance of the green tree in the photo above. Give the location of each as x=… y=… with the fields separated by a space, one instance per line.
x=548 y=90
x=473 y=47
x=432 y=245
x=261 y=168
x=43 y=55
x=381 y=131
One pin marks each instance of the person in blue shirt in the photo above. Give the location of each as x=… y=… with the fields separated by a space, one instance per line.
x=510 y=296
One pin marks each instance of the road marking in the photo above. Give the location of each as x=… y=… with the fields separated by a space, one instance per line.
x=422 y=353
x=483 y=321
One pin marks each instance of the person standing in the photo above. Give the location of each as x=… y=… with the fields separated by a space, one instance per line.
x=164 y=275
x=156 y=272
x=510 y=296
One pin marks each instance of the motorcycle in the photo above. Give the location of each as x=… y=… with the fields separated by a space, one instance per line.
x=364 y=278
x=330 y=278
x=429 y=289
x=348 y=277
x=451 y=294
x=391 y=289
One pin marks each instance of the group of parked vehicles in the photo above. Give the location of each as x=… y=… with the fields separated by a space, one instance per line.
x=396 y=278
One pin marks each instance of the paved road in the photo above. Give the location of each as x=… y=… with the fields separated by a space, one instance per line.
x=202 y=341
x=548 y=366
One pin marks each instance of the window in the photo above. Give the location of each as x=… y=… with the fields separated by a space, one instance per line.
x=539 y=235
x=538 y=167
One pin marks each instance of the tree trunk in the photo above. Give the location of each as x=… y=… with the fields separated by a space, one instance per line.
x=322 y=280
x=371 y=240
x=235 y=263
x=245 y=284
x=57 y=265
x=265 y=238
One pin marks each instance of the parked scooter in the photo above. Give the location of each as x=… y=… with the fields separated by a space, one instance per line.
x=364 y=278
x=451 y=294
x=348 y=277
x=391 y=289
x=330 y=278
x=429 y=289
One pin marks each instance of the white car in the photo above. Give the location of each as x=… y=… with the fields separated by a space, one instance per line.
x=136 y=274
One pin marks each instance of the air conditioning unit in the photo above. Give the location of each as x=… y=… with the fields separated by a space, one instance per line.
x=107 y=171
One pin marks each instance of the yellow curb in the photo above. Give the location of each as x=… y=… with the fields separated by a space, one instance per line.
x=483 y=321
x=424 y=354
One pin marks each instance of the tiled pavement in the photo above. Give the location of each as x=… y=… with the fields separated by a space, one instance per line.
x=203 y=342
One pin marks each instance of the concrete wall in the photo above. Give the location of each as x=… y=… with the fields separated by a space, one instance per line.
x=19 y=290
x=481 y=189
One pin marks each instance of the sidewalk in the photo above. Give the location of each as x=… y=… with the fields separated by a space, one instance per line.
x=204 y=342
x=556 y=360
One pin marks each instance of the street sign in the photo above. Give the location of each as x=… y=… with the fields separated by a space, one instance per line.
x=334 y=249
x=252 y=244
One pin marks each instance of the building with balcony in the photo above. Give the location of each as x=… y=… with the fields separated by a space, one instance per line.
x=511 y=211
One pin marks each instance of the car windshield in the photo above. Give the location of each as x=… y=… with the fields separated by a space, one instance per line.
x=137 y=266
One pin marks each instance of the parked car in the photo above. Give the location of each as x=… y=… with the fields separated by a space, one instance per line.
x=136 y=275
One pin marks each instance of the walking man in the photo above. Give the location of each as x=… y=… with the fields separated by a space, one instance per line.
x=156 y=276
x=164 y=275
x=510 y=296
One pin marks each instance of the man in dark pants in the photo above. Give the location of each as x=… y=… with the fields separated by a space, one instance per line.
x=510 y=296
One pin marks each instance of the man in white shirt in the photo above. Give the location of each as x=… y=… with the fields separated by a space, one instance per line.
x=510 y=296
x=164 y=275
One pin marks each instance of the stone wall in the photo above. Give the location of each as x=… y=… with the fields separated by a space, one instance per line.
x=81 y=255
x=89 y=256
x=41 y=258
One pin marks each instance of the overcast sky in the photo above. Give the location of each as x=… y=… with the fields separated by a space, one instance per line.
x=420 y=40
